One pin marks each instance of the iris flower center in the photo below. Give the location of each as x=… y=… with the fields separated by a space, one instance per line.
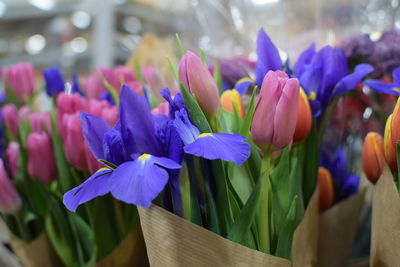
x=144 y=157
x=204 y=134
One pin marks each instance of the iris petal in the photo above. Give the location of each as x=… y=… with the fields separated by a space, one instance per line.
x=350 y=81
x=94 y=129
x=381 y=87
x=186 y=130
x=396 y=76
x=96 y=185
x=304 y=59
x=228 y=147
x=139 y=182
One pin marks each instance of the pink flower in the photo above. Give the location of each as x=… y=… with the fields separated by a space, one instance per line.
x=21 y=78
x=92 y=164
x=10 y=201
x=110 y=115
x=41 y=163
x=162 y=109
x=23 y=113
x=40 y=122
x=198 y=80
x=68 y=104
x=275 y=116
x=12 y=154
x=10 y=115
x=74 y=143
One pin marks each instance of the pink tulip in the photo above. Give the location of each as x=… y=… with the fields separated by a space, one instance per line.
x=275 y=116
x=96 y=107
x=10 y=115
x=41 y=163
x=121 y=75
x=21 y=78
x=74 y=145
x=110 y=115
x=198 y=80
x=10 y=201
x=40 y=122
x=12 y=154
x=152 y=78
x=68 y=104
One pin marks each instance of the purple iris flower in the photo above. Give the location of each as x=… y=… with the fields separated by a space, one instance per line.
x=346 y=184
x=54 y=81
x=387 y=88
x=228 y=147
x=133 y=147
x=325 y=75
x=267 y=57
x=107 y=96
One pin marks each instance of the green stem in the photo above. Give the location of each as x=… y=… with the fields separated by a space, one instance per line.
x=263 y=210
x=119 y=214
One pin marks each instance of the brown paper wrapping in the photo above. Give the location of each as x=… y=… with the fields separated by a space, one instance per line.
x=130 y=252
x=173 y=241
x=385 y=236
x=337 y=228
x=37 y=253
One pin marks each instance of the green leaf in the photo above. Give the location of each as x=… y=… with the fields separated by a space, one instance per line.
x=110 y=88
x=138 y=72
x=203 y=57
x=195 y=113
x=64 y=174
x=11 y=96
x=218 y=77
x=212 y=210
x=245 y=129
x=108 y=164
x=180 y=45
x=242 y=184
x=290 y=224
x=174 y=69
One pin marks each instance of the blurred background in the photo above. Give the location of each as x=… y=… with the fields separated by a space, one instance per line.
x=79 y=35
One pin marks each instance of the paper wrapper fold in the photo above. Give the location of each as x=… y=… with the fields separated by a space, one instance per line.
x=37 y=253
x=173 y=241
x=337 y=228
x=130 y=252
x=385 y=236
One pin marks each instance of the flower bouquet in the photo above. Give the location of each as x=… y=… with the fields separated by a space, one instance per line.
x=217 y=182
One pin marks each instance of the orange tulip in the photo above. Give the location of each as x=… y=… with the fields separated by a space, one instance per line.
x=372 y=156
x=389 y=146
x=395 y=124
x=304 y=119
x=325 y=189
x=230 y=99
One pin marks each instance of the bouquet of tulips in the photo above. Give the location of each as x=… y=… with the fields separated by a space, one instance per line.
x=214 y=181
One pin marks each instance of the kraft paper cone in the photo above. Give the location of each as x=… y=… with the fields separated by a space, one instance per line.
x=37 y=253
x=173 y=241
x=385 y=236
x=130 y=253
x=337 y=228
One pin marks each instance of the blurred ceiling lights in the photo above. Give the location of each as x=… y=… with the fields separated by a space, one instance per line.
x=35 y=44
x=81 y=19
x=43 y=4
x=79 y=45
x=132 y=24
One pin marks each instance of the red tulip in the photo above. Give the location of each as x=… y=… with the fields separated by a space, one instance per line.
x=325 y=189
x=373 y=156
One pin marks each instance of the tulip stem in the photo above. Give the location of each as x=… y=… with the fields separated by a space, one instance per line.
x=263 y=210
x=23 y=231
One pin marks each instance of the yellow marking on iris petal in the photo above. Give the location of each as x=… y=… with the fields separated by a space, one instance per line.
x=204 y=134
x=102 y=169
x=396 y=89
x=246 y=79
x=313 y=96
x=143 y=157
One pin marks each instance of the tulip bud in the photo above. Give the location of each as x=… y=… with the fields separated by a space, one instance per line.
x=68 y=104
x=23 y=113
x=121 y=75
x=198 y=80
x=10 y=115
x=21 y=78
x=373 y=156
x=41 y=163
x=388 y=145
x=92 y=164
x=94 y=86
x=304 y=119
x=12 y=154
x=110 y=115
x=325 y=189
x=74 y=143
x=230 y=99
x=96 y=107
x=163 y=109
x=40 y=122
x=10 y=201
x=275 y=116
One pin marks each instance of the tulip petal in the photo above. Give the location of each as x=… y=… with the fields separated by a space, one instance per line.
x=228 y=147
x=350 y=81
x=286 y=114
x=137 y=126
x=96 y=185
x=139 y=182
x=267 y=56
x=94 y=129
